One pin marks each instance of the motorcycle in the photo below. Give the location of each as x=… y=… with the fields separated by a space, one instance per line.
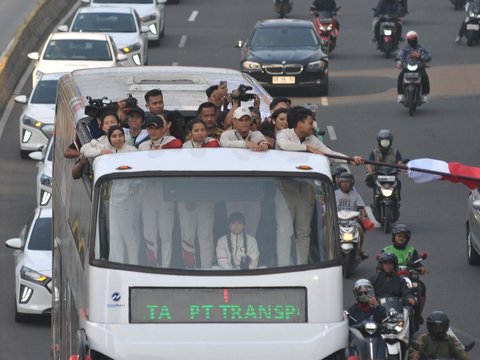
x=412 y=85
x=467 y=346
x=403 y=7
x=458 y=4
x=472 y=23
x=326 y=26
x=349 y=229
x=364 y=339
x=396 y=332
x=282 y=7
x=388 y=39
x=411 y=276
x=386 y=207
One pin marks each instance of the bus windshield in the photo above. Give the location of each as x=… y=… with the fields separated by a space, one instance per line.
x=216 y=222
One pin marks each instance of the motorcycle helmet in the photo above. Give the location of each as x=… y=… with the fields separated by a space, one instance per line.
x=346 y=177
x=438 y=324
x=398 y=229
x=385 y=138
x=362 y=291
x=412 y=38
x=387 y=257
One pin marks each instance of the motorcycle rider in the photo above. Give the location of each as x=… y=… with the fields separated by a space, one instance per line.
x=327 y=5
x=348 y=199
x=436 y=343
x=406 y=254
x=385 y=153
x=366 y=307
x=386 y=7
x=463 y=26
x=413 y=50
x=387 y=283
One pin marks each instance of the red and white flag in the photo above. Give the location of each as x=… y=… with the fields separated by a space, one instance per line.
x=424 y=170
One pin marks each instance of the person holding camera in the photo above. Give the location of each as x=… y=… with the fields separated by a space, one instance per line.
x=237 y=249
x=242 y=136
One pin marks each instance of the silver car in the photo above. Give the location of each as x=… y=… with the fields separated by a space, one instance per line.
x=473 y=228
x=121 y=23
x=152 y=13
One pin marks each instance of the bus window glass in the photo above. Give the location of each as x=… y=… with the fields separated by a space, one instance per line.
x=216 y=223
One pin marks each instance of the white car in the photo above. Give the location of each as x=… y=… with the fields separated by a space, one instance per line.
x=36 y=121
x=44 y=174
x=121 y=23
x=152 y=13
x=68 y=51
x=33 y=266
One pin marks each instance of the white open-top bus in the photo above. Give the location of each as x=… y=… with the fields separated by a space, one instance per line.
x=111 y=302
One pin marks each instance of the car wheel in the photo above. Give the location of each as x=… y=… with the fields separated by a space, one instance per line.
x=472 y=254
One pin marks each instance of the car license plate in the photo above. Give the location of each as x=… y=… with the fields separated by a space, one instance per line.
x=473 y=27
x=283 y=80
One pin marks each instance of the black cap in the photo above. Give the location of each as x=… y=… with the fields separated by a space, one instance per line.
x=136 y=110
x=155 y=120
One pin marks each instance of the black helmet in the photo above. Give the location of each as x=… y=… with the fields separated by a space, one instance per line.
x=438 y=324
x=346 y=176
x=339 y=169
x=387 y=257
x=398 y=229
x=362 y=291
x=412 y=38
x=384 y=134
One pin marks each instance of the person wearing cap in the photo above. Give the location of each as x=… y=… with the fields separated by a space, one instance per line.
x=135 y=132
x=242 y=136
x=158 y=138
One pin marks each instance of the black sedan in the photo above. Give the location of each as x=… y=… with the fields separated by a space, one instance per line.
x=285 y=53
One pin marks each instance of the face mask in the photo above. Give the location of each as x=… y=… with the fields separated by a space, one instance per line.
x=384 y=143
x=363 y=299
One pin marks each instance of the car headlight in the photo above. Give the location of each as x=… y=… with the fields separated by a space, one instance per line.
x=131 y=48
x=149 y=17
x=250 y=65
x=27 y=120
x=33 y=276
x=319 y=65
x=46 y=180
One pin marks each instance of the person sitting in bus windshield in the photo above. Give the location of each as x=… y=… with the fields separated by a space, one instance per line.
x=237 y=250
x=158 y=138
x=101 y=145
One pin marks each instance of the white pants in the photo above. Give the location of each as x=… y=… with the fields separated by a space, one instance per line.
x=251 y=210
x=294 y=207
x=124 y=233
x=196 y=220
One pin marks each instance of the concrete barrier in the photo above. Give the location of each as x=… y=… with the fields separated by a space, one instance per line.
x=28 y=38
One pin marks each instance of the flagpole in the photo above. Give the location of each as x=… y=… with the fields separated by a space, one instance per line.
x=405 y=167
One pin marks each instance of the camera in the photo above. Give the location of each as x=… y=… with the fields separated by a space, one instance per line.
x=95 y=106
x=131 y=102
x=242 y=93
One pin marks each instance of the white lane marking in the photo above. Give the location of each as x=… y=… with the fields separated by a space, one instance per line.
x=368 y=209
x=324 y=100
x=193 y=16
x=182 y=42
x=331 y=133
x=175 y=63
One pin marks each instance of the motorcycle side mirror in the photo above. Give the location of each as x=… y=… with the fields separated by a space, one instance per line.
x=469 y=346
x=239 y=44
x=423 y=255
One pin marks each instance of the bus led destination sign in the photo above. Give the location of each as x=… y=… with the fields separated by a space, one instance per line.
x=218 y=305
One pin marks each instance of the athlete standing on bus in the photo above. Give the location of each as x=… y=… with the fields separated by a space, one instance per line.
x=157 y=213
x=197 y=217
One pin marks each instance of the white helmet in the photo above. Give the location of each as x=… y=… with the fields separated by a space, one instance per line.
x=412 y=38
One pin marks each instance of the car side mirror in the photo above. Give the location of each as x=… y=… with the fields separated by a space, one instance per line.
x=62 y=28
x=15 y=244
x=239 y=44
x=476 y=204
x=144 y=29
x=36 y=155
x=121 y=57
x=159 y=2
x=21 y=99
x=85 y=1
x=33 y=55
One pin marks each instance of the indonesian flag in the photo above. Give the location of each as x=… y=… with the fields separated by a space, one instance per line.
x=424 y=170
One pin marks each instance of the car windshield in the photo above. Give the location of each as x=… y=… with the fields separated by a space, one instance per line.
x=105 y=22
x=93 y=50
x=216 y=223
x=45 y=92
x=124 y=1
x=284 y=37
x=475 y=6
x=41 y=237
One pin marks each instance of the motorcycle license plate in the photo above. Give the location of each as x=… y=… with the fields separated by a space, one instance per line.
x=387 y=178
x=475 y=27
x=283 y=80
x=412 y=75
